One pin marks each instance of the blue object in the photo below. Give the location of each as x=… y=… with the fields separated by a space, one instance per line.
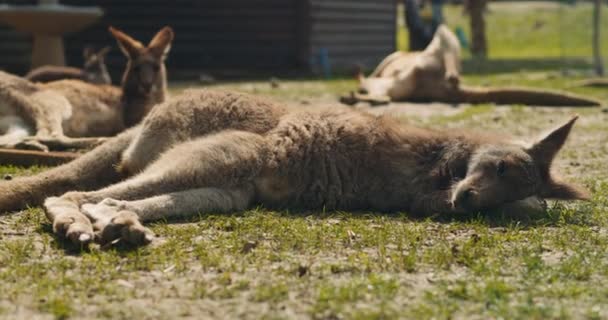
x=462 y=38
x=324 y=62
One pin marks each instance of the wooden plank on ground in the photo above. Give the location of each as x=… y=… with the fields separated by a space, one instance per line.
x=28 y=158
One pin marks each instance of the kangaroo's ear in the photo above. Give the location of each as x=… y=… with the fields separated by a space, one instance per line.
x=87 y=52
x=555 y=189
x=129 y=46
x=359 y=76
x=544 y=150
x=161 y=43
x=102 y=53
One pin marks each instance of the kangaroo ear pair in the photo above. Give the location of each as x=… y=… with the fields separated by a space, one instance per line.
x=159 y=45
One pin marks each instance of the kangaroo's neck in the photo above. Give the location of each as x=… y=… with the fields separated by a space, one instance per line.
x=136 y=103
x=438 y=157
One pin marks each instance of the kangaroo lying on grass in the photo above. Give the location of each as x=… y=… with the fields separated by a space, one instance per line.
x=433 y=75
x=69 y=113
x=213 y=151
x=94 y=70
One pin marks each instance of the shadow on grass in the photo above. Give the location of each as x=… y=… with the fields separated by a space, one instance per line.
x=556 y=215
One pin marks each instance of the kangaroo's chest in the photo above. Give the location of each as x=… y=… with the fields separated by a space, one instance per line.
x=322 y=181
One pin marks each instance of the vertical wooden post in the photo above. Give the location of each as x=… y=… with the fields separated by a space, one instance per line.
x=597 y=54
x=476 y=9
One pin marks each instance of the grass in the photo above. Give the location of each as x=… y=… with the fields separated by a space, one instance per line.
x=529 y=30
x=332 y=265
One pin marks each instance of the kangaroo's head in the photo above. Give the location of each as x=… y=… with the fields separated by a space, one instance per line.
x=499 y=174
x=145 y=78
x=374 y=87
x=95 y=66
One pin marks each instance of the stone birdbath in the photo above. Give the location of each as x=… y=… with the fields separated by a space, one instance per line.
x=48 y=22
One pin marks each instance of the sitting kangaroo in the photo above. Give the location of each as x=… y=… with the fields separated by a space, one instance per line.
x=94 y=70
x=213 y=151
x=75 y=114
x=433 y=75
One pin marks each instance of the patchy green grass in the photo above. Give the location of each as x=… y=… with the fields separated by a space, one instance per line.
x=344 y=265
x=266 y=264
x=528 y=30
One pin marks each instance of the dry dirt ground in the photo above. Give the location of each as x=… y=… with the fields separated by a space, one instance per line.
x=338 y=265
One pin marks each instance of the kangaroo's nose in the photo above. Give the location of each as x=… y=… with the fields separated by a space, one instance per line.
x=463 y=198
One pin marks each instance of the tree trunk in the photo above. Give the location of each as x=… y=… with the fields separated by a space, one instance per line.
x=597 y=55
x=476 y=9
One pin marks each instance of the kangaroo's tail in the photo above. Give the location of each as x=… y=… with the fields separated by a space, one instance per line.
x=532 y=97
x=92 y=170
x=597 y=82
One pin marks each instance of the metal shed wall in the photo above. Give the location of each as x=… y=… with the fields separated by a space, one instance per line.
x=354 y=32
x=234 y=37
x=210 y=34
x=15 y=47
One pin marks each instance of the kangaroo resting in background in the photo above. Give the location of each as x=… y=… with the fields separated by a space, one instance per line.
x=210 y=151
x=433 y=75
x=94 y=70
x=75 y=114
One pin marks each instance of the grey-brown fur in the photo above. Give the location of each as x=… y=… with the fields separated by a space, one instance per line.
x=73 y=113
x=94 y=70
x=433 y=75
x=215 y=151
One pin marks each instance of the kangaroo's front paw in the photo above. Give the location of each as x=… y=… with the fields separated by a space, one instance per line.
x=111 y=224
x=453 y=79
x=67 y=221
x=131 y=229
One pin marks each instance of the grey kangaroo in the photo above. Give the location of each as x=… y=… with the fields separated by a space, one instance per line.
x=93 y=71
x=75 y=114
x=218 y=151
x=434 y=75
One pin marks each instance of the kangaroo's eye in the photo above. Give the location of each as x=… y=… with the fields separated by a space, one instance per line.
x=501 y=168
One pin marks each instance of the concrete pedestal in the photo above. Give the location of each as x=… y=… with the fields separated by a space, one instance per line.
x=48 y=22
x=47 y=50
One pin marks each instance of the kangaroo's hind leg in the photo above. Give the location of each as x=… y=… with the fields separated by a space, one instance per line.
x=118 y=219
x=223 y=160
x=48 y=109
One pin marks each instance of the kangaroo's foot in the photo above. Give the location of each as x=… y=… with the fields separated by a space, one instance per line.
x=113 y=222
x=30 y=145
x=349 y=99
x=68 y=222
x=62 y=143
x=353 y=98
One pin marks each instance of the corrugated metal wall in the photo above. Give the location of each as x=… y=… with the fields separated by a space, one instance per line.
x=15 y=48
x=210 y=34
x=354 y=32
x=235 y=36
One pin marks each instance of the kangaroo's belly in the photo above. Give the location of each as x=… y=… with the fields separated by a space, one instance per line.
x=94 y=121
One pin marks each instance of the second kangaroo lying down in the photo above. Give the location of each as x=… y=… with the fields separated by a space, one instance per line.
x=212 y=151
x=73 y=113
x=93 y=71
x=433 y=75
